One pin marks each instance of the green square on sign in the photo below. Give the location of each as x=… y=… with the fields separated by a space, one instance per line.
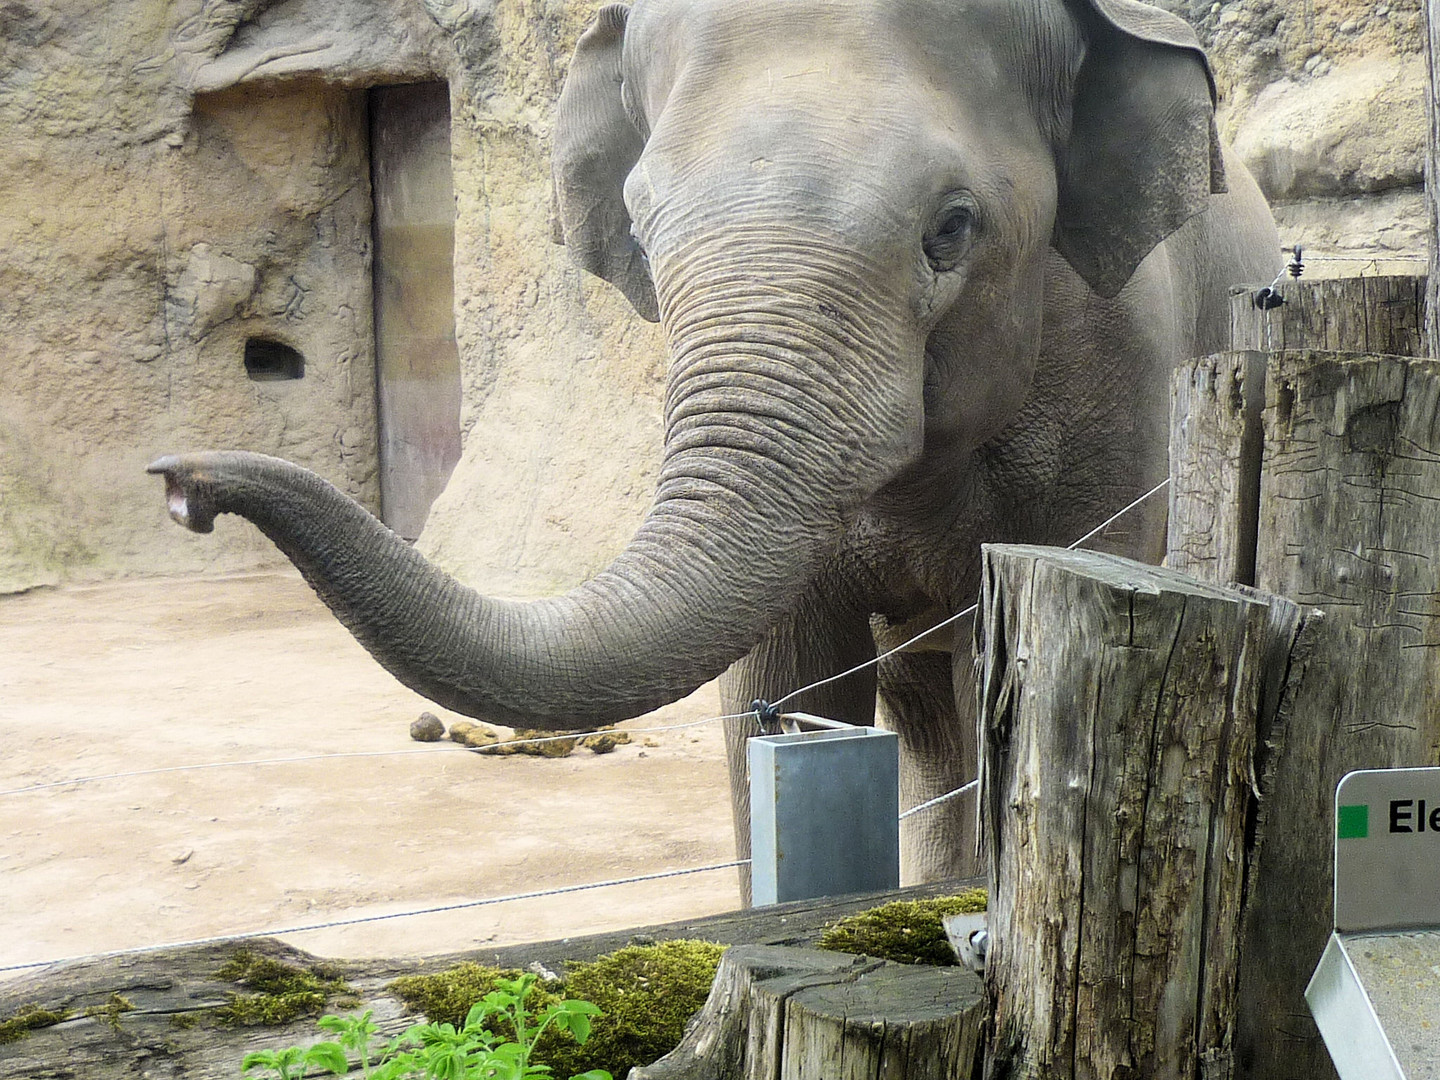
x=1353 y=823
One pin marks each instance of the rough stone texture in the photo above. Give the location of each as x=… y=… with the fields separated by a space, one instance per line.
x=179 y=177
x=1325 y=102
x=149 y=232
x=429 y=728
x=563 y=383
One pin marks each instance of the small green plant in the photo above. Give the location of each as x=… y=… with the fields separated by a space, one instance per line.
x=906 y=931
x=446 y=996
x=354 y=1034
x=646 y=993
x=439 y=1050
x=294 y=1062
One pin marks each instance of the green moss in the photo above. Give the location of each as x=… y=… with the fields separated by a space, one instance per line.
x=30 y=1018
x=646 y=993
x=906 y=931
x=184 y=1020
x=446 y=996
x=279 y=992
x=111 y=1010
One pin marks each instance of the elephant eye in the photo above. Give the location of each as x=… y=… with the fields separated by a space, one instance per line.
x=951 y=232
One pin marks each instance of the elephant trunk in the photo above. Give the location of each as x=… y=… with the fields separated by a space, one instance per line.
x=751 y=500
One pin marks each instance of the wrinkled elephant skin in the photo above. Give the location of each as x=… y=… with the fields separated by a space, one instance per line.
x=924 y=268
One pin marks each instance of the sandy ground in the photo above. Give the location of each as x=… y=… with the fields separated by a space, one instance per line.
x=181 y=672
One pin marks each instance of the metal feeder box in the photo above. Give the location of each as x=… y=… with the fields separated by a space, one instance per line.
x=1376 y=992
x=824 y=813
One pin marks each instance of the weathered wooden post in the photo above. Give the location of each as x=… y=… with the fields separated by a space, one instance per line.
x=1347 y=482
x=1376 y=314
x=1432 y=178
x=1119 y=705
x=1349 y=522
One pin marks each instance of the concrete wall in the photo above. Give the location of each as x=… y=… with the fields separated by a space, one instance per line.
x=152 y=228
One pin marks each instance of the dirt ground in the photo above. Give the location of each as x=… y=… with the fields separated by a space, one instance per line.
x=161 y=673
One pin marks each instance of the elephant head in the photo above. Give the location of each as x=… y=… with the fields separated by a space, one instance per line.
x=841 y=212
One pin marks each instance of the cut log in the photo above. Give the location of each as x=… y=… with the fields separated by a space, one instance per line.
x=804 y=1014
x=1379 y=314
x=1119 y=706
x=1350 y=490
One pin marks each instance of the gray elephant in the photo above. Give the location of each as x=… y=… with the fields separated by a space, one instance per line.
x=924 y=267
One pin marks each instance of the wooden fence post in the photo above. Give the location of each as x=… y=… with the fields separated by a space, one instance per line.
x=1432 y=177
x=1215 y=443
x=1350 y=523
x=1376 y=314
x=1347 y=520
x=777 y=1013
x=1119 y=705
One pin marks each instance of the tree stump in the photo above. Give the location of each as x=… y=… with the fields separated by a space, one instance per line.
x=1119 y=708
x=778 y=1013
x=1378 y=314
x=1349 y=493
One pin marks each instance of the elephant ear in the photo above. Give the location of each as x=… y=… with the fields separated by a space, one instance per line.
x=595 y=147
x=1143 y=155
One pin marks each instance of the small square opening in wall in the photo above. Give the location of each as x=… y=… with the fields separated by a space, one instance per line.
x=267 y=360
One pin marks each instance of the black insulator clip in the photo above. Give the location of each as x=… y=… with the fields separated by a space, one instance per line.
x=1295 y=266
x=767 y=715
x=1267 y=299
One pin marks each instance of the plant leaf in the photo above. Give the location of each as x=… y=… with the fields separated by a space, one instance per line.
x=328 y=1055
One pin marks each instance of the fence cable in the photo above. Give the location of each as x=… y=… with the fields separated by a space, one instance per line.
x=578 y=734
x=250 y=935
x=928 y=803
x=968 y=611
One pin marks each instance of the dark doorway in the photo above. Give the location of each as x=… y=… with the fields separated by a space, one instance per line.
x=417 y=363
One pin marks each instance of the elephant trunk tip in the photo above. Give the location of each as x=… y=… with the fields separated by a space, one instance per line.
x=184 y=495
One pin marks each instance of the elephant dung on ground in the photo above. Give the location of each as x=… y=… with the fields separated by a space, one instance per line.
x=924 y=267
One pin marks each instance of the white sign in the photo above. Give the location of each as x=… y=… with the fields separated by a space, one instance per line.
x=1387 y=850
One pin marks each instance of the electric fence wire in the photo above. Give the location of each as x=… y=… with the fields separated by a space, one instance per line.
x=253 y=934
x=250 y=935
x=969 y=610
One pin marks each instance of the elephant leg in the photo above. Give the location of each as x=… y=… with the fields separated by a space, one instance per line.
x=821 y=637
x=938 y=753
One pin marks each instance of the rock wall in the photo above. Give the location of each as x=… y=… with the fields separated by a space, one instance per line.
x=1325 y=101
x=563 y=383
x=181 y=177
x=153 y=234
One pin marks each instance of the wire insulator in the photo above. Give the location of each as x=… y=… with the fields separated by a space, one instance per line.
x=1267 y=299
x=767 y=716
x=1295 y=266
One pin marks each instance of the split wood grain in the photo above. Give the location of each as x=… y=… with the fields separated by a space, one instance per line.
x=1119 y=709
x=1215 y=445
x=1375 y=314
x=1349 y=522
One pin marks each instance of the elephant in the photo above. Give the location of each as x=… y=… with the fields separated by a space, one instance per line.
x=923 y=268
